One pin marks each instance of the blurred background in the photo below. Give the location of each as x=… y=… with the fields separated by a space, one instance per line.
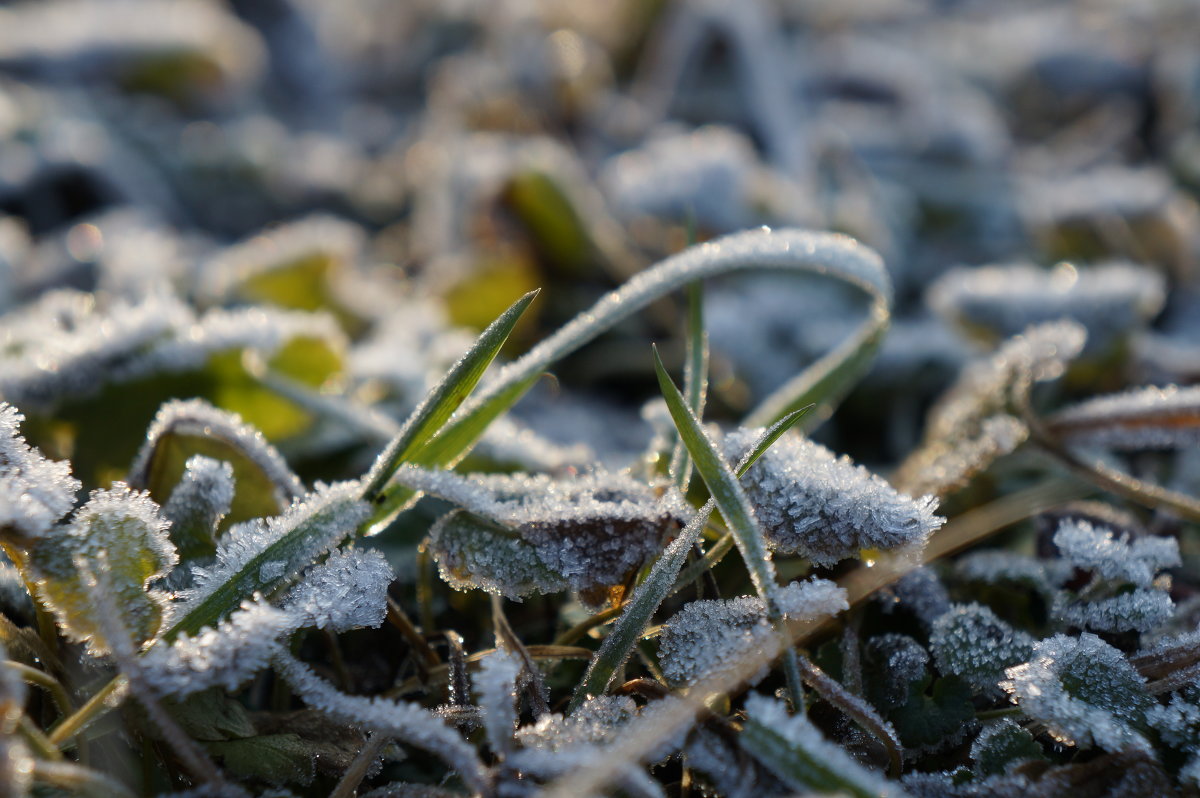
x=399 y=172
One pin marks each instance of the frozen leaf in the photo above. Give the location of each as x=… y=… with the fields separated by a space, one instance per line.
x=706 y=636
x=922 y=593
x=264 y=484
x=202 y=498
x=970 y=642
x=223 y=656
x=728 y=769
x=1109 y=300
x=945 y=469
x=826 y=508
x=1096 y=549
x=1178 y=721
x=938 y=714
x=598 y=720
x=1002 y=746
x=1142 y=418
x=34 y=492
x=1084 y=691
x=794 y=750
x=525 y=534
x=347 y=591
x=496 y=684
x=1139 y=610
x=893 y=663
x=124 y=528
x=406 y=722
x=263 y=555
x=995 y=567
x=811 y=599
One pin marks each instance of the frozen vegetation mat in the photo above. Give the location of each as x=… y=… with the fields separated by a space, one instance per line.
x=654 y=399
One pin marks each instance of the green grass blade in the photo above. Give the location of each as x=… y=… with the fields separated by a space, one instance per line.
x=659 y=583
x=695 y=379
x=435 y=410
x=722 y=486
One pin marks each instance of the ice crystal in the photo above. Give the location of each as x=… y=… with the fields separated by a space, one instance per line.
x=1141 y=610
x=226 y=656
x=1003 y=745
x=810 y=501
x=34 y=492
x=811 y=599
x=1178 y=725
x=327 y=515
x=525 y=534
x=922 y=593
x=125 y=529
x=1142 y=418
x=972 y=643
x=496 y=684
x=1097 y=550
x=1109 y=300
x=197 y=505
x=1084 y=691
x=197 y=418
x=347 y=591
x=706 y=636
x=996 y=567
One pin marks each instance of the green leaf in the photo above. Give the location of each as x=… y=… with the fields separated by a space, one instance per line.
x=722 y=485
x=1003 y=745
x=926 y=721
x=274 y=758
x=695 y=379
x=476 y=552
x=211 y=715
x=433 y=412
x=121 y=531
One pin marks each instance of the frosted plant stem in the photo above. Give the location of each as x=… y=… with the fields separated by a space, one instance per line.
x=506 y=638
x=95 y=706
x=78 y=779
x=347 y=786
x=43 y=680
x=398 y=618
x=35 y=737
x=858 y=710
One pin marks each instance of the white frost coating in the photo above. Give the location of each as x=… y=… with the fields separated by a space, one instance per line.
x=34 y=492
x=775 y=250
x=1097 y=550
x=406 y=722
x=196 y=417
x=1142 y=418
x=811 y=599
x=903 y=661
x=1109 y=299
x=583 y=531
x=205 y=490
x=227 y=656
x=798 y=732
x=317 y=236
x=496 y=684
x=1140 y=610
x=972 y=643
x=993 y=567
x=705 y=636
x=1178 y=722
x=347 y=591
x=102 y=527
x=331 y=512
x=1106 y=694
x=812 y=502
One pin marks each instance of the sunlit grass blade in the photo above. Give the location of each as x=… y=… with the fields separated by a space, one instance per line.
x=435 y=410
x=695 y=380
x=449 y=445
x=735 y=507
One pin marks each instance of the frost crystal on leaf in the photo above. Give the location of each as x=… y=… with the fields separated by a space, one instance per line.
x=706 y=636
x=347 y=591
x=1003 y=745
x=970 y=642
x=34 y=492
x=124 y=528
x=1084 y=691
x=812 y=502
x=197 y=505
x=811 y=599
x=325 y=517
x=1140 y=610
x=1096 y=550
x=227 y=656
x=524 y=534
x=899 y=660
x=1142 y=418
